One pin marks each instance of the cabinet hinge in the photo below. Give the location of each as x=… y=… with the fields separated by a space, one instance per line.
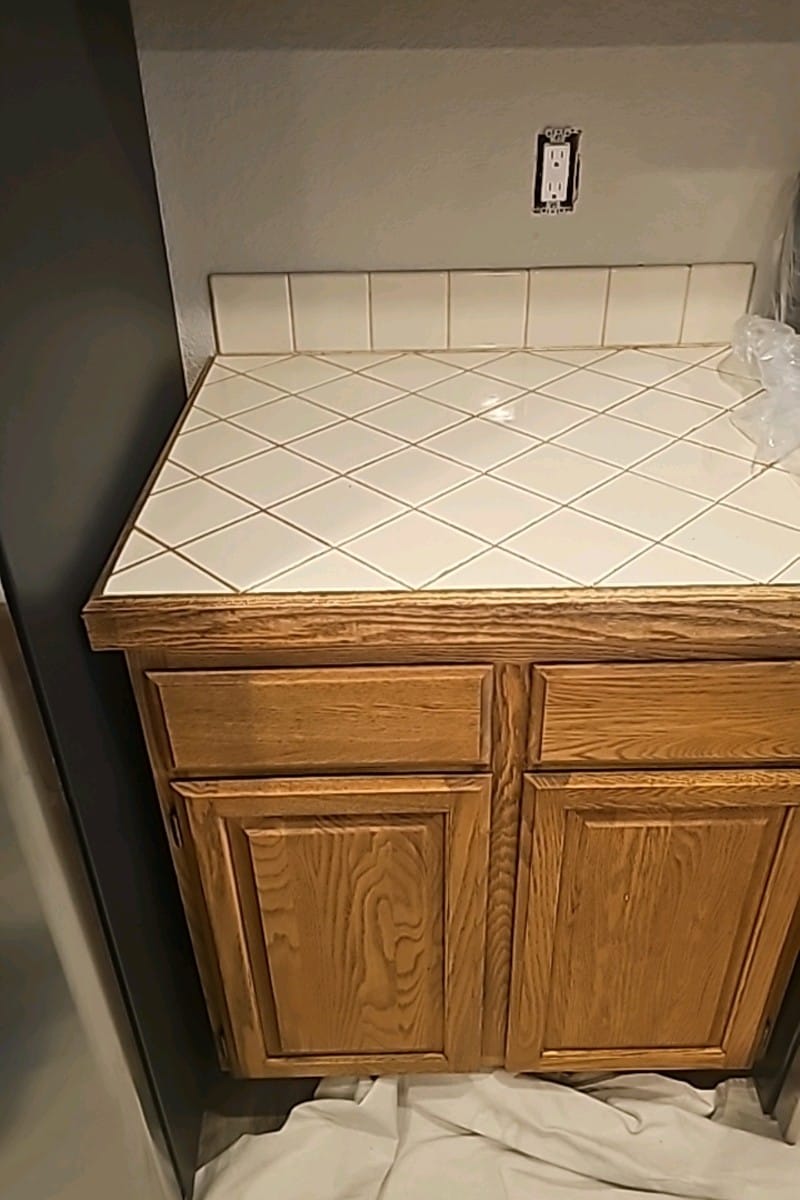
x=175 y=829
x=764 y=1039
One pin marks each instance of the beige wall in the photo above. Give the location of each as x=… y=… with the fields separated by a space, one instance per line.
x=394 y=157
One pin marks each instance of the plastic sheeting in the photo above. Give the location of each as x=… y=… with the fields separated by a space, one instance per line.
x=505 y=1137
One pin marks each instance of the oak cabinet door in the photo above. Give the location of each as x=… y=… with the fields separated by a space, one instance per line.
x=651 y=913
x=348 y=917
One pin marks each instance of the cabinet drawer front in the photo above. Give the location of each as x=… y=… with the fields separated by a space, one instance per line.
x=235 y=722
x=349 y=918
x=666 y=713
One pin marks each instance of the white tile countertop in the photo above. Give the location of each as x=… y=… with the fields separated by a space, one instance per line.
x=458 y=470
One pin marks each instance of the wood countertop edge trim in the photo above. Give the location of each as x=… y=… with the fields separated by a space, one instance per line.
x=751 y=617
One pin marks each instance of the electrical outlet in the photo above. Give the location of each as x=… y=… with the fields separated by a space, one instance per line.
x=556 y=171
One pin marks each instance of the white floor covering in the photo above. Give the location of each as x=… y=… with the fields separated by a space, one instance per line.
x=505 y=1137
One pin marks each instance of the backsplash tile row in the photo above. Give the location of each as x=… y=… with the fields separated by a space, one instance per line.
x=472 y=310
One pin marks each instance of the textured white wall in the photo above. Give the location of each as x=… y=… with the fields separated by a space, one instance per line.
x=392 y=157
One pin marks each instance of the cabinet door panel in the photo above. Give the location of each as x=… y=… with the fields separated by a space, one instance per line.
x=651 y=911
x=352 y=911
x=348 y=918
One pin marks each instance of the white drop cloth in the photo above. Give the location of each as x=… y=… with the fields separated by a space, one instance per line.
x=505 y=1137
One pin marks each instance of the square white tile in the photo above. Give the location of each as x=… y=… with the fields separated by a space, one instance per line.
x=215 y=446
x=271 y=477
x=591 y=390
x=298 y=373
x=737 y=541
x=472 y=393
x=552 y=471
x=718 y=295
x=638 y=366
x=352 y=395
x=578 y=358
x=645 y=305
x=487 y=308
x=697 y=469
x=722 y=434
x=414 y=475
x=169 y=476
x=685 y=354
x=411 y=372
x=663 y=567
x=729 y=363
x=701 y=383
x=537 y=414
x=330 y=311
x=576 y=545
x=642 y=505
x=497 y=568
x=357 y=360
x=252 y=550
x=661 y=410
x=567 y=306
x=526 y=369
x=138 y=547
x=618 y=442
x=235 y=395
x=467 y=360
x=409 y=310
x=216 y=372
x=162 y=575
x=412 y=418
x=774 y=495
x=489 y=508
x=333 y=571
x=346 y=446
x=242 y=364
x=251 y=313
x=414 y=548
x=283 y=420
x=479 y=444
x=190 y=510
x=339 y=510
x=790 y=575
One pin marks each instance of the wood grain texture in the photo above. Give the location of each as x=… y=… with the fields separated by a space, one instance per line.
x=566 y=625
x=368 y=944
x=185 y=864
x=352 y=911
x=510 y=730
x=628 y=713
x=643 y=903
x=657 y=913
x=238 y=722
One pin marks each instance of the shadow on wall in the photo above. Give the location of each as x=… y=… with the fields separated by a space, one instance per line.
x=396 y=24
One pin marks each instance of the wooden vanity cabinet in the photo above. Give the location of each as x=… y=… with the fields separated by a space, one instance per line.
x=514 y=841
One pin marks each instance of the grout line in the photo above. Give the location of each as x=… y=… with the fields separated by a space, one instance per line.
x=290 y=306
x=370 y=337
x=526 y=312
x=685 y=304
x=605 y=307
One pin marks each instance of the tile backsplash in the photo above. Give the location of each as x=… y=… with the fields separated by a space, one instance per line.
x=459 y=310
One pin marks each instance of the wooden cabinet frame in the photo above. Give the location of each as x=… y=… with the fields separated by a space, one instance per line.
x=510 y=631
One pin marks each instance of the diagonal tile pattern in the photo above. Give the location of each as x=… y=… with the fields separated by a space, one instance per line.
x=464 y=469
